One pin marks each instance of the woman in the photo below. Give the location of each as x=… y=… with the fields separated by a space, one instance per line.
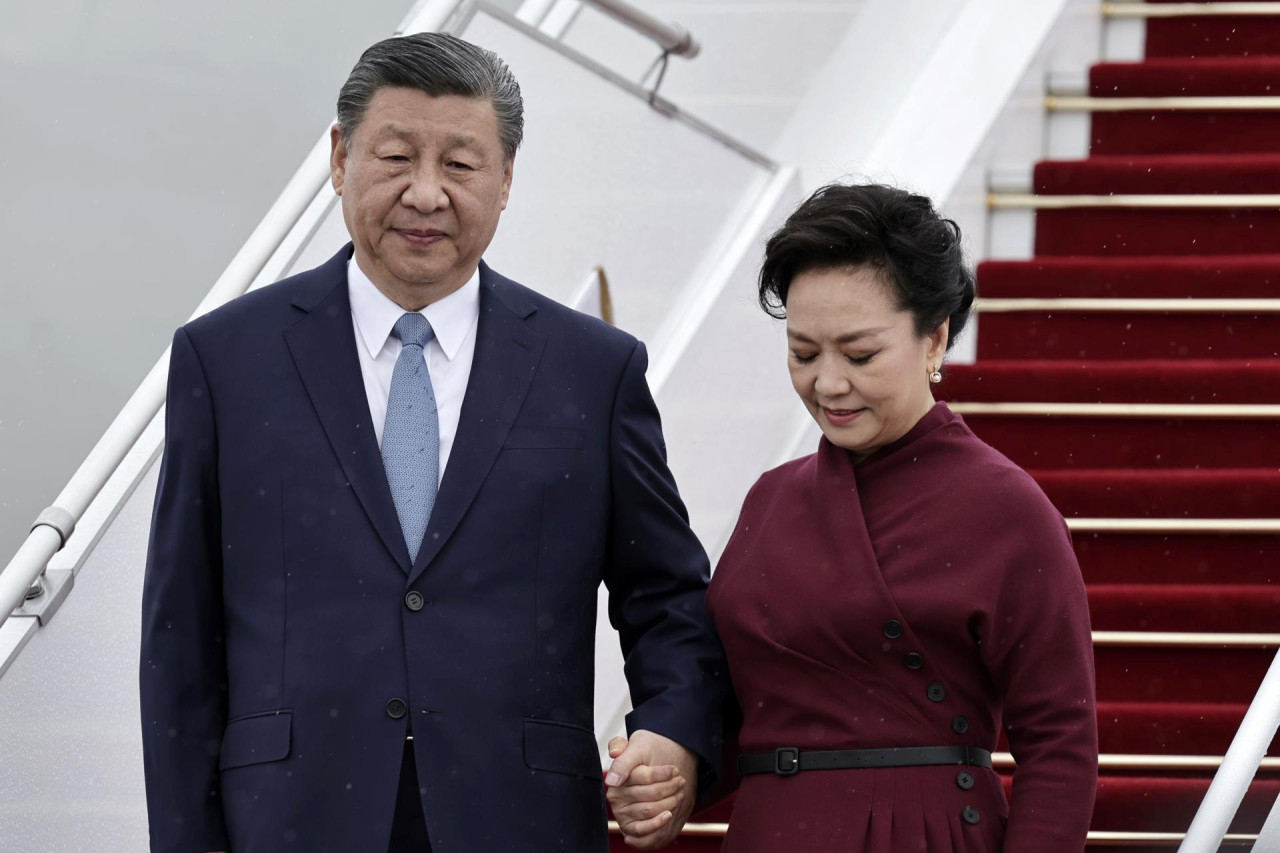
x=888 y=602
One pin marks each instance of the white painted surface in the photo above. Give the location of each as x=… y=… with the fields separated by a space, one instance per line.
x=758 y=58
x=1125 y=39
x=71 y=778
x=144 y=140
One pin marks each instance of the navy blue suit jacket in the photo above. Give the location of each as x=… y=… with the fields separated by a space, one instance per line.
x=276 y=634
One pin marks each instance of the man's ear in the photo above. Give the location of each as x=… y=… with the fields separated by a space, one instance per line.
x=508 y=170
x=337 y=158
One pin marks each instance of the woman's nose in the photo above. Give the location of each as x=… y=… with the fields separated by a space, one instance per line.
x=830 y=380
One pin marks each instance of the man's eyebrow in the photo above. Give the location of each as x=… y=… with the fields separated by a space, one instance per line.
x=396 y=132
x=846 y=338
x=453 y=140
x=460 y=140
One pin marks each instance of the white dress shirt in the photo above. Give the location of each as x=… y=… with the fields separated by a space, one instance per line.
x=448 y=355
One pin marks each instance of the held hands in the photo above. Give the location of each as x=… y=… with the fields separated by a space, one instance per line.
x=648 y=789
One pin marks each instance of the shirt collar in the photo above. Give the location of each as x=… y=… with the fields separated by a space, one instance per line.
x=376 y=314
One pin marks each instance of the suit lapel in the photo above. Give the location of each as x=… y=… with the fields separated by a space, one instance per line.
x=323 y=345
x=506 y=358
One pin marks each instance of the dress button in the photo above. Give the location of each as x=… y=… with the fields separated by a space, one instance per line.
x=414 y=601
x=913 y=660
x=964 y=780
x=960 y=724
x=396 y=709
x=937 y=692
x=970 y=815
x=893 y=629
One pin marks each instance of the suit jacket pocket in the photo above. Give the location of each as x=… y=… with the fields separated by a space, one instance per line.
x=540 y=438
x=256 y=739
x=561 y=748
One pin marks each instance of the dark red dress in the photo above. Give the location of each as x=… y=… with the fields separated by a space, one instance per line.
x=923 y=597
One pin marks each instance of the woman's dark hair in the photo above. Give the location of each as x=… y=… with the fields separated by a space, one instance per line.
x=915 y=250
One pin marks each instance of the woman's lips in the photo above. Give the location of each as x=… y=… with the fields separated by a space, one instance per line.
x=842 y=417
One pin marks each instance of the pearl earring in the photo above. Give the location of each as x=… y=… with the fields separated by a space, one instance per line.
x=936 y=376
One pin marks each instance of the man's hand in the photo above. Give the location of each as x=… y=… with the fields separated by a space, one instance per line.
x=648 y=788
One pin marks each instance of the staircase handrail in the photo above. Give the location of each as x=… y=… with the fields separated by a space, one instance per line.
x=54 y=525
x=671 y=37
x=1239 y=766
x=26 y=572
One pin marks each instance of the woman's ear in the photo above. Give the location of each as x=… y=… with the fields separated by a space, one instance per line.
x=937 y=348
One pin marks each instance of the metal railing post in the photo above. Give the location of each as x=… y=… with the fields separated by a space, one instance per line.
x=672 y=38
x=1239 y=766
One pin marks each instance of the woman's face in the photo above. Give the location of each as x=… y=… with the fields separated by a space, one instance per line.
x=855 y=358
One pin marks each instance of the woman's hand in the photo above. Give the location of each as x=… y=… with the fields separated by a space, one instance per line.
x=649 y=805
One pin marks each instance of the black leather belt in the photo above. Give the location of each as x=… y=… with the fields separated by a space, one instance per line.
x=789 y=761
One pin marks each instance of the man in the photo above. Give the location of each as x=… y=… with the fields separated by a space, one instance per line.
x=391 y=487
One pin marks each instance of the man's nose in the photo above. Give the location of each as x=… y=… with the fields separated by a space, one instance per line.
x=426 y=191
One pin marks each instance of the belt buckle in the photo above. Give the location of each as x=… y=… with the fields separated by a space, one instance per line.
x=786 y=761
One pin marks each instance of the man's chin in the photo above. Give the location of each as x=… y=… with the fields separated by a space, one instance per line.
x=422 y=274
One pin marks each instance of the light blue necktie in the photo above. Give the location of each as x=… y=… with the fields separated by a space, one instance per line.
x=411 y=435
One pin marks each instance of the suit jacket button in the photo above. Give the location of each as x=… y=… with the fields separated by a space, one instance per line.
x=396 y=709
x=970 y=815
x=913 y=660
x=937 y=692
x=960 y=724
x=964 y=780
x=893 y=629
x=414 y=601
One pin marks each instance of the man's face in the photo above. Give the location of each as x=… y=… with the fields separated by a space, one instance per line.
x=423 y=181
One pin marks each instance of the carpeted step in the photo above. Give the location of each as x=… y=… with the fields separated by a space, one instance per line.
x=1075 y=335
x=1203 y=381
x=1158 y=493
x=1170 y=728
x=1118 y=231
x=712 y=844
x=1205 y=36
x=1252 y=276
x=1071 y=442
x=1178 y=558
x=1179 y=673
x=1172 y=174
x=1163 y=131
x=1109 y=846
x=1113 y=231
x=1208 y=608
x=1116 y=441
x=1167 y=803
x=1181 y=76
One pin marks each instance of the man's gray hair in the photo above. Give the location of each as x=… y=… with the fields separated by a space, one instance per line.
x=437 y=64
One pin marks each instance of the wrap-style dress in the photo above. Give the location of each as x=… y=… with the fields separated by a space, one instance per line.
x=923 y=596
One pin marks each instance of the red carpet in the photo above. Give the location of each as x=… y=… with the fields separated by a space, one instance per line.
x=1157 y=699
x=1253 y=276
x=1154 y=698
x=1212 y=36
x=1178 y=558
x=1197 y=131
x=1170 y=728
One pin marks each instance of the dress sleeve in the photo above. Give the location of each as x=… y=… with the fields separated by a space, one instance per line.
x=1038 y=648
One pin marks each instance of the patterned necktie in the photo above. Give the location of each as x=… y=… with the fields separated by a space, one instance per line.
x=411 y=436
